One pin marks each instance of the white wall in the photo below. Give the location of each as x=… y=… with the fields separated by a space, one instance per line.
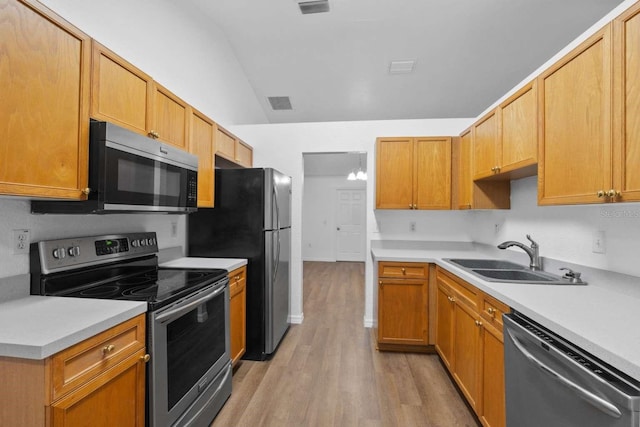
x=281 y=146
x=566 y=232
x=178 y=47
x=319 y=215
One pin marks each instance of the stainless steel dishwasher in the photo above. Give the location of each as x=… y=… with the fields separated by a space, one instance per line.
x=550 y=382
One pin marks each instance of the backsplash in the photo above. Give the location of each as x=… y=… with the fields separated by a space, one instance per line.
x=566 y=232
x=16 y=214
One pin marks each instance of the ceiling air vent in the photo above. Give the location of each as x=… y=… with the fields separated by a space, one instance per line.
x=280 y=103
x=315 y=6
x=401 y=67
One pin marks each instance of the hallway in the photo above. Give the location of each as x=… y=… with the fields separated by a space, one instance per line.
x=327 y=371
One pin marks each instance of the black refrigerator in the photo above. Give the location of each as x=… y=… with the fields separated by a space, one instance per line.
x=252 y=219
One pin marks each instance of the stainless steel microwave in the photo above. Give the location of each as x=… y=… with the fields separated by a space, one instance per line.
x=129 y=172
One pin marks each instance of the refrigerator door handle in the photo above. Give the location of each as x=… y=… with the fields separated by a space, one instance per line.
x=275 y=202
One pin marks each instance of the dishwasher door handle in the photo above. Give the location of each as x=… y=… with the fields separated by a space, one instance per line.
x=583 y=393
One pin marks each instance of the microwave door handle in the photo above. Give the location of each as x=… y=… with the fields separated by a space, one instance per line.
x=583 y=393
x=182 y=309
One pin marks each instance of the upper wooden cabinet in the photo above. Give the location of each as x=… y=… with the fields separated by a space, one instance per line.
x=519 y=133
x=202 y=144
x=470 y=194
x=124 y=95
x=169 y=117
x=626 y=105
x=229 y=147
x=413 y=173
x=575 y=125
x=506 y=139
x=44 y=103
x=120 y=92
x=486 y=146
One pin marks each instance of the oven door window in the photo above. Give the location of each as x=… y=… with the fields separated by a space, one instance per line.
x=195 y=341
x=136 y=180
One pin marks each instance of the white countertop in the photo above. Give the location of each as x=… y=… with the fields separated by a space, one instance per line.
x=600 y=320
x=228 y=264
x=36 y=327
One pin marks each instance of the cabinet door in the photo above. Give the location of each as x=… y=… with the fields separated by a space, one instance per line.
x=225 y=144
x=627 y=104
x=466 y=352
x=432 y=173
x=444 y=324
x=120 y=92
x=44 y=103
x=465 y=182
x=115 y=398
x=169 y=117
x=402 y=311
x=575 y=129
x=202 y=144
x=394 y=173
x=244 y=154
x=492 y=412
x=237 y=308
x=486 y=146
x=519 y=130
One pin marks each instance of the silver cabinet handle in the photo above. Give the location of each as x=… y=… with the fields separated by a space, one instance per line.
x=583 y=393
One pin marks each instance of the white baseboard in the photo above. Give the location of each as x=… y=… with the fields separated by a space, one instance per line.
x=320 y=259
x=369 y=323
x=297 y=319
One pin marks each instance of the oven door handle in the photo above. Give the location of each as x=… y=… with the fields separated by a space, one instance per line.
x=583 y=393
x=182 y=309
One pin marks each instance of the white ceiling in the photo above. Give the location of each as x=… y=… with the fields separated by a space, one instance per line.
x=334 y=66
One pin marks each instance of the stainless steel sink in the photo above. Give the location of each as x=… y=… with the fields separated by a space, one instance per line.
x=494 y=264
x=495 y=270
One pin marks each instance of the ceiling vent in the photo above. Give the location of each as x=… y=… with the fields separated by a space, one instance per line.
x=401 y=67
x=315 y=6
x=279 y=103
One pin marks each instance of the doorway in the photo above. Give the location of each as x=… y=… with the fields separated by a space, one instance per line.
x=334 y=206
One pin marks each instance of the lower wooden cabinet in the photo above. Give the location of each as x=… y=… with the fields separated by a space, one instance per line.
x=97 y=382
x=403 y=301
x=238 y=308
x=469 y=341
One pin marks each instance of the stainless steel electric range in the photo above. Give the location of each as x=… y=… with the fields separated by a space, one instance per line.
x=189 y=374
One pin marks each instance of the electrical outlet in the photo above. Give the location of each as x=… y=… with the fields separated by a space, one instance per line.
x=174 y=229
x=598 y=245
x=21 y=241
x=412 y=226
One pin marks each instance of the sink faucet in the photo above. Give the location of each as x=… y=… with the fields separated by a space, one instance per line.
x=532 y=251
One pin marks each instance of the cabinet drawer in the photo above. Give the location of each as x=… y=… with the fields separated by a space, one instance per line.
x=464 y=292
x=78 y=364
x=237 y=280
x=409 y=270
x=492 y=310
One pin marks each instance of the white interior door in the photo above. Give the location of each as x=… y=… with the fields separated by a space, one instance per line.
x=350 y=225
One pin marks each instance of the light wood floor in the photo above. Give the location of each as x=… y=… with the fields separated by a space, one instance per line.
x=327 y=371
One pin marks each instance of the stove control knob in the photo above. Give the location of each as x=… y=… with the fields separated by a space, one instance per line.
x=152 y=241
x=144 y=242
x=135 y=243
x=59 y=253
x=74 y=250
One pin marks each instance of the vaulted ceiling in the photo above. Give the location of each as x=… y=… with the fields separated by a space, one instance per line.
x=335 y=66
